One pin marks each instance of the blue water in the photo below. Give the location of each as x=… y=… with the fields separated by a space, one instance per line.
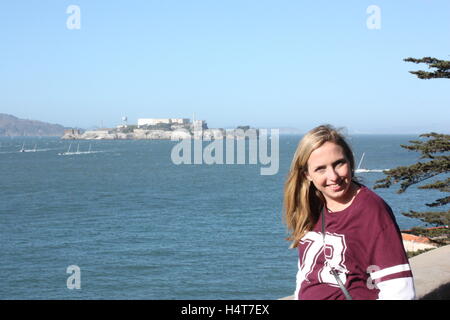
x=140 y=227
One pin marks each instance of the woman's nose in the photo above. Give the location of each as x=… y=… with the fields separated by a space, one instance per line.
x=332 y=175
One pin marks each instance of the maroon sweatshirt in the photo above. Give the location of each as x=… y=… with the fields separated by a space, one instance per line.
x=364 y=246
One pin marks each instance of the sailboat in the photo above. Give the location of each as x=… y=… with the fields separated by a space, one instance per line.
x=76 y=152
x=85 y=152
x=65 y=153
x=363 y=170
x=28 y=150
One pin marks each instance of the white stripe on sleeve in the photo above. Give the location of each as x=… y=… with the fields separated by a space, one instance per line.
x=299 y=279
x=391 y=270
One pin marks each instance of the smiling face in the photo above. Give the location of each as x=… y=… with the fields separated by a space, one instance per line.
x=330 y=172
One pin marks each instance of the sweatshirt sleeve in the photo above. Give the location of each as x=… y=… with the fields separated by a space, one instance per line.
x=390 y=270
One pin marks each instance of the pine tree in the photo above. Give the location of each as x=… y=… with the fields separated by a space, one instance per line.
x=442 y=68
x=435 y=149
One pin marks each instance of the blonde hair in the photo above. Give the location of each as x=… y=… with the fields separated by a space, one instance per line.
x=302 y=201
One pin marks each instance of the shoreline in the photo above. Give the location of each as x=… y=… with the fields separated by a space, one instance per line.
x=152 y=134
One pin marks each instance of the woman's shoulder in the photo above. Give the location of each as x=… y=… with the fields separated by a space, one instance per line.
x=369 y=195
x=372 y=203
x=371 y=212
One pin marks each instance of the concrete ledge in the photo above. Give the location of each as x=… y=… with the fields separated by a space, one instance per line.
x=431 y=271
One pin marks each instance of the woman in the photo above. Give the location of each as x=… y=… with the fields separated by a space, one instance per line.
x=349 y=244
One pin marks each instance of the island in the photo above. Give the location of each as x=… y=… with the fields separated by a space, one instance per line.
x=161 y=129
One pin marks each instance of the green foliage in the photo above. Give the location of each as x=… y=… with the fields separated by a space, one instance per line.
x=435 y=153
x=416 y=253
x=434 y=161
x=433 y=233
x=442 y=68
x=435 y=150
x=431 y=217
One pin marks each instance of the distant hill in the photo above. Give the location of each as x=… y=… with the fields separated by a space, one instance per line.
x=13 y=126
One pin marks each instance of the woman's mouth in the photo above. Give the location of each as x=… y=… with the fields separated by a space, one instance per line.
x=336 y=186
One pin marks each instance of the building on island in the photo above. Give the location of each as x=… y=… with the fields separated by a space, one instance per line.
x=152 y=121
x=200 y=124
x=99 y=131
x=72 y=131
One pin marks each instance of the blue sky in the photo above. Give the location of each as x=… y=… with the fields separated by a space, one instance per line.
x=265 y=63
